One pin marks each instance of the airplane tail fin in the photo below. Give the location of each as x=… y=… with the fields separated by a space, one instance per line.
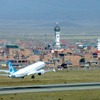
x=11 y=68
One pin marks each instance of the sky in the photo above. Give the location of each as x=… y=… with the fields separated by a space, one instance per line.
x=67 y=12
x=49 y=9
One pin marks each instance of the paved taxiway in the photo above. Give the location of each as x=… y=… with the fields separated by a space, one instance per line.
x=48 y=88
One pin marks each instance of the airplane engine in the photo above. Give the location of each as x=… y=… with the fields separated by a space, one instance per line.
x=11 y=76
x=41 y=72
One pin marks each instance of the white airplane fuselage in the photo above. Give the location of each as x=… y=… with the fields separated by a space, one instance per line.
x=28 y=70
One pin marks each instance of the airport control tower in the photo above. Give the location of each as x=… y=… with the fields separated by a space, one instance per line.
x=57 y=37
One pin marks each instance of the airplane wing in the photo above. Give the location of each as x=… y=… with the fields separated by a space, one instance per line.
x=5 y=71
x=49 y=70
x=42 y=71
x=4 y=74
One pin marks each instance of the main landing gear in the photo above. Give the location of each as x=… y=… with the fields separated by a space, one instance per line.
x=22 y=77
x=32 y=76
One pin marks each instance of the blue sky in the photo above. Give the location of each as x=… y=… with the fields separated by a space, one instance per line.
x=49 y=9
x=34 y=15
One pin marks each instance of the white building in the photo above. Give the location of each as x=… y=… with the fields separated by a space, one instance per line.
x=98 y=45
x=57 y=37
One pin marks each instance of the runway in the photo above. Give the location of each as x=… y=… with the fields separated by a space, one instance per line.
x=48 y=88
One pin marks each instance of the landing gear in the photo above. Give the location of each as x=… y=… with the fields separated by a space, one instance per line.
x=32 y=76
x=22 y=77
x=39 y=73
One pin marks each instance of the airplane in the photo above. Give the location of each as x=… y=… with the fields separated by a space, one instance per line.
x=36 y=68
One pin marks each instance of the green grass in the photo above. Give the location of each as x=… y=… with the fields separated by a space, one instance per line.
x=58 y=77
x=65 y=76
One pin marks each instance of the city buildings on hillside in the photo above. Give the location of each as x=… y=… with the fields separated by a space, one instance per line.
x=24 y=52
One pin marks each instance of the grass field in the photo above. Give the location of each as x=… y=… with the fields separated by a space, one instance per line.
x=58 y=77
x=65 y=76
x=62 y=95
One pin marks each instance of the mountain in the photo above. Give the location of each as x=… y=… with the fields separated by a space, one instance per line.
x=45 y=13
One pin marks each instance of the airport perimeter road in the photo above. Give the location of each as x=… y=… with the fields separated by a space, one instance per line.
x=48 y=88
